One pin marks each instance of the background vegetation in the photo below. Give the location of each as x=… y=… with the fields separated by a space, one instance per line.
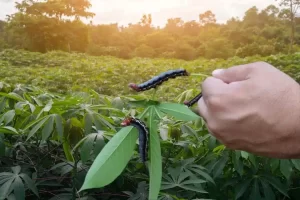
x=63 y=94
x=56 y=25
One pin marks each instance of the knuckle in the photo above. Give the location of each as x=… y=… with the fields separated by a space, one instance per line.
x=214 y=101
x=207 y=82
x=209 y=79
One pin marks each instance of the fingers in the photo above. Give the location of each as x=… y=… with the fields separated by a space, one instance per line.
x=213 y=87
x=233 y=74
x=202 y=109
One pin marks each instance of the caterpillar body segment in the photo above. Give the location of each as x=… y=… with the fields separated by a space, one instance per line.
x=194 y=100
x=143 y=135
x=158 y=80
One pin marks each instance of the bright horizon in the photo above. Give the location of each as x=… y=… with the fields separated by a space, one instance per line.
x=131 y=11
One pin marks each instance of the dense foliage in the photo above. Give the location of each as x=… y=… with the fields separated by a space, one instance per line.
x=42 y=25
x=64 y=92
x=49 y=141
x=61 y=72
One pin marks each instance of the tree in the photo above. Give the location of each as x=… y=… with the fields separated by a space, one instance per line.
x=293 y=6
x=207 y=18
x=2 y=41
x=272 y=10
x=191 y=28
x=251 y=17
x=48 y=24
x=174 y=26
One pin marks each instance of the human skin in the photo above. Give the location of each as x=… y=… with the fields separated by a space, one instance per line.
x=253 y=107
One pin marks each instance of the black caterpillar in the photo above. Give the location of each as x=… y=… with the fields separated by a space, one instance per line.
x=194 y=100
x=158 y=80
x=143 y=135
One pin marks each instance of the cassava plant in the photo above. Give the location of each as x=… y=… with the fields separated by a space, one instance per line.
x=116 y=154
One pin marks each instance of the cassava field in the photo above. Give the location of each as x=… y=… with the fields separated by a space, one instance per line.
x=61 y=138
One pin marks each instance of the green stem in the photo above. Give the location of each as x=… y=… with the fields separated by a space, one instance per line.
x=154 y=93
x=74 y=177
x=199 y=74
x=144 y=113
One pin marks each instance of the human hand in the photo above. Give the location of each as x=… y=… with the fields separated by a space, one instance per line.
x=255 y=108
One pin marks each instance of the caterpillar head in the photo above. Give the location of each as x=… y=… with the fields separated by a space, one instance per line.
x=134 y=86
x=186 y=102
x=186 y=73
x=127 y=121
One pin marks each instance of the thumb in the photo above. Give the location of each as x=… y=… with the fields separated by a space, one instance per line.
x=233 y=74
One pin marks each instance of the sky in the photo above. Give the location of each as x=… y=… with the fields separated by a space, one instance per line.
x=131 y=11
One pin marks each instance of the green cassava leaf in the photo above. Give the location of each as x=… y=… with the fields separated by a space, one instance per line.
x=237 y=162
x=241 y=188
x=8 y=130
x=156 y=159
x=30 y=184
x=48 y=128
x=12 y=95
x=40 y=123
x=178 y=111
x=274 y=163
x=19 y=190
x=88 y=122
x=185 y=180
x=219 y=166
x=87 y=147
x=8 y=117
x=2 y=146
x=59 y=126
x=112 y=160
x=2 y=104
x=276 y=184
x=4 y=189
x=268 y=192
x=99 y=144
x=286 y=168
x=245 y=154
x=296 y=163
x=255 y=193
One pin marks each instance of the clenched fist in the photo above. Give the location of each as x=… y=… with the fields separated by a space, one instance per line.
x=255 y=108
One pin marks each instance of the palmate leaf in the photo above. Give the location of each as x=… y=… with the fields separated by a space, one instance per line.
x=185 y=180
x=112 y=160
x=188 y=165
x=13 y=182
x=47 y=123
x=219 y=166
x=255 y=193
x=241 y=188
x=99 y=120
x=19 y=190
x=88 y=146
x=276 y=184
x=268 y=192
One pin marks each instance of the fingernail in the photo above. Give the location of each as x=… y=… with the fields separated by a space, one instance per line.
x=217 y=72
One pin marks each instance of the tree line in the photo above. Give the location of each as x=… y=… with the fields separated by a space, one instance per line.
x=57 y=25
